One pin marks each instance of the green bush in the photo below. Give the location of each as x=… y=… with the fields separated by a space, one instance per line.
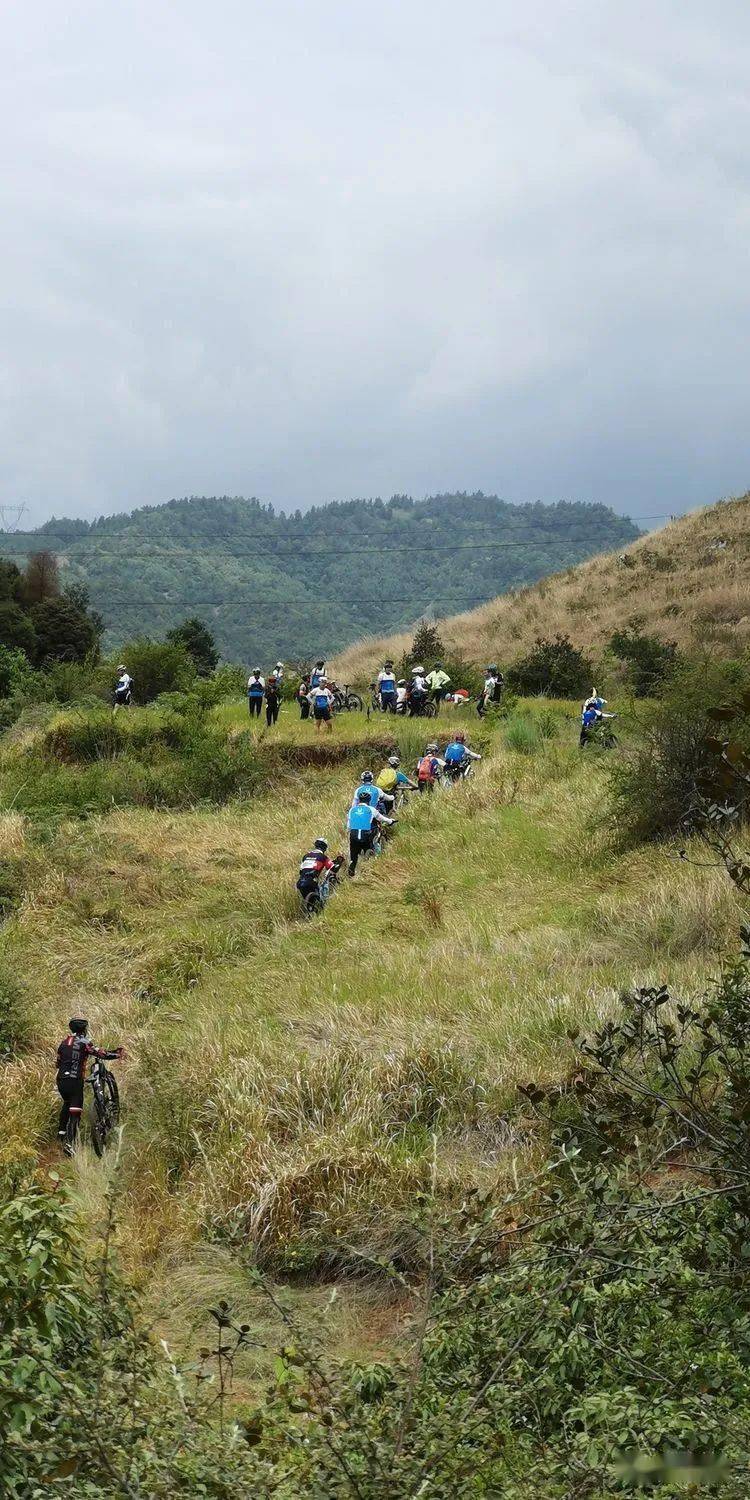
x=652 y=785
x=649 y=661
x=556 y=668
x=157 y=667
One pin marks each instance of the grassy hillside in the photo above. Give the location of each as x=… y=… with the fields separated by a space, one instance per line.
x=295 y=1091
x=285 y=1080
x=688 y=583
x=297 y=585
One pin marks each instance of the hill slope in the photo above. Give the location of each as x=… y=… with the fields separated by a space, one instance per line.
x=299 y=584
x=688 y=583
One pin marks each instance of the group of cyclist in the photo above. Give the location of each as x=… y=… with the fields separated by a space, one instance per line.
x=373 y=810
x=411 y=695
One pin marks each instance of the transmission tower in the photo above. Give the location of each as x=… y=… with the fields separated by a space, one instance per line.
x=11 y=516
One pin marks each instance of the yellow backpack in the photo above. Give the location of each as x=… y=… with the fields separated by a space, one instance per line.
x=387 y=779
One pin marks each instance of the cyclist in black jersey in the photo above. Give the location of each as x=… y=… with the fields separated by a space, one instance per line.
x=73 y=1054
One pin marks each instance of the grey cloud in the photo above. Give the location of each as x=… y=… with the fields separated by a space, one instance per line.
x=309 y=251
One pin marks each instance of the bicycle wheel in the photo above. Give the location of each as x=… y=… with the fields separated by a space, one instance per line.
x=106 y=1113
x=353 y=703
x=429 y=711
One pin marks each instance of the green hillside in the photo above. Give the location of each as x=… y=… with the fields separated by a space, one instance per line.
x=269 y=583
x=338 y=1253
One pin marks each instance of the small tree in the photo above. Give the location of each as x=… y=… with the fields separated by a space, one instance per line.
x=555 y=667
x=157 y=667
x=427 y=645
x=63 y=631
x=649 y=661
x=199 y=643
x=42 y=577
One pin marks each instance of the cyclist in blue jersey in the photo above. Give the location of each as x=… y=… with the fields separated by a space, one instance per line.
x=318 y=674
x=371 y=790
x=457 y=755
x=363 y=823
x=386 y=688
x=320 y=699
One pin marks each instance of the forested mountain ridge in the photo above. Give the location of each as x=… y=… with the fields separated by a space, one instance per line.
x=268 y=583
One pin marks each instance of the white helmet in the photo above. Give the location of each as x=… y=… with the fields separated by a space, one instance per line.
x=394 y=760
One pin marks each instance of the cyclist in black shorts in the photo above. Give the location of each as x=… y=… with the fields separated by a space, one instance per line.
x=73 y=1054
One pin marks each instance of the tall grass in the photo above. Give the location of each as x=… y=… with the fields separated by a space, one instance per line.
x=286 y=1080
x=686 y=583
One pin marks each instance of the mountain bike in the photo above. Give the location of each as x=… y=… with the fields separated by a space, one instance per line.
x=106 y=1105
x=345 y=701
x=456 y=771
x=602 y=736
x=426 y=710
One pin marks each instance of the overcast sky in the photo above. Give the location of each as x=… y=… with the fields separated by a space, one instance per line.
x=311 y=249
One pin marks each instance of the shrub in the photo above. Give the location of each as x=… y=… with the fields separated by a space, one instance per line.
x=649 y=661
x=652 y=786
x=157 y=667
x=556 y=667
x=16 y=629
x=16 y=672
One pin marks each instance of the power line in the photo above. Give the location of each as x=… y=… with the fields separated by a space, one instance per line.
x=281 y=553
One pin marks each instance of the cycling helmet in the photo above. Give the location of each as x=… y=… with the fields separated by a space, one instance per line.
x=256 y=671
x=438 y=666
x=431 y=749
x=388 y=663
x=367 y=776
x=322 y=845
x=394 y=760
x=493 y=668
x=78 y=1026
x=402 y=682
x=320 y=663
x=420 y=670
x=363 y=796
x=121 y=668
x=460 y=737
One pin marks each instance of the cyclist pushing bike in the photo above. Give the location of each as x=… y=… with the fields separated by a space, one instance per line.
x=317 y=873
x=73 y=1055
x=458 y=756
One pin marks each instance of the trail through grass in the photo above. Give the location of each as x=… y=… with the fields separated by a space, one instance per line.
x=285 y=1079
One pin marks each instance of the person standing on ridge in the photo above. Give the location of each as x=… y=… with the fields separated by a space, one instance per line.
x=386 y=688
x=318 y=674
x=273 y=699
x=256 y=688
x=438 y=682
x=123 y=689
x=417 y=692
x=320 y=699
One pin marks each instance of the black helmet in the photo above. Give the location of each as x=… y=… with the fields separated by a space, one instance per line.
x=320 y=663
x=363 y=796
x=78 y=1026
x=438 y=666
x=321 y=844
x=367 y=776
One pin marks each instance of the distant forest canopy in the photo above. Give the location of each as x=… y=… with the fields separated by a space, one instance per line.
x=271 y=584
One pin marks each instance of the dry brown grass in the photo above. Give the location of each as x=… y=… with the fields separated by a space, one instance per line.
x=682 y=586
